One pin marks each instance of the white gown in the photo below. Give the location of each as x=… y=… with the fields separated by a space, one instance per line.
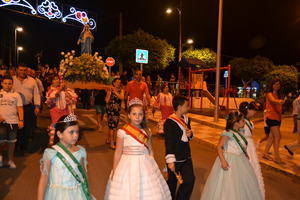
x=251 y=150
x=137 y=176
x=238 y=182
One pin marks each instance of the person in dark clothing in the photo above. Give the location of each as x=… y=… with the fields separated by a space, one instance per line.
x=100 y=105
x=124 y=78
x=85 y=95
x=178 y=133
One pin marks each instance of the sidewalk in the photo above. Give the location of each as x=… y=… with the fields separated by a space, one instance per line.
x=207 y=130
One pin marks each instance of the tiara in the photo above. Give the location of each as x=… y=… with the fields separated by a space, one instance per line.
x=135 y=101
x=70 y=118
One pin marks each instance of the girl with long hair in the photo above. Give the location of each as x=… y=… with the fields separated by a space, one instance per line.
x=273 y=114
x=232 y=176
x=135 y=174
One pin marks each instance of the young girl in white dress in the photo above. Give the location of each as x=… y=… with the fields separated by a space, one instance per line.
x=135 y=174
x=232 y=176
x=63 y=167
x=249 y=110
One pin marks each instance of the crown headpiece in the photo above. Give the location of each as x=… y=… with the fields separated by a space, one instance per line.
x=135 y=101
x=70 y=118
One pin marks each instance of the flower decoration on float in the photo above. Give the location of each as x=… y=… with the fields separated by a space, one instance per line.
x=85 y=68
x=81 y=17
x=49 y=9
x=21 y=3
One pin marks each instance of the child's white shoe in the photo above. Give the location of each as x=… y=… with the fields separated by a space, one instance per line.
x=12 y=165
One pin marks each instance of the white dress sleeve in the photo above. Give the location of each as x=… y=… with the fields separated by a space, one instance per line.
x=83 y=156
x=121 y=133
x=45 y=162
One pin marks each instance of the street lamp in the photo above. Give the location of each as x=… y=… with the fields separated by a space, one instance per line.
x=17 y=29
x=20 y=29
x=169 y=11
x=19 y=48
x=190 y=41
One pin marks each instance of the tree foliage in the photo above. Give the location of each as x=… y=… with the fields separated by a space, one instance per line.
x=206 y=55
x=287 y=75
x=161 y=53
x=253 y=69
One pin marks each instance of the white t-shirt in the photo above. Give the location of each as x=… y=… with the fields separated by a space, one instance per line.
x=296 y=106
x=28 y=89
x=8 y=106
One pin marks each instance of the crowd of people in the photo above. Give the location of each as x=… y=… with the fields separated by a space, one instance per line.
x=236 y=173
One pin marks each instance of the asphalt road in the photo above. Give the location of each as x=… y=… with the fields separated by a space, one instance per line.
x=21 y=183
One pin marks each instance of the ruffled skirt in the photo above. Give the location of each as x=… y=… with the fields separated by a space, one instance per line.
x=137 y=177
x=64 y=193
x=239 y=182
x=251 y=150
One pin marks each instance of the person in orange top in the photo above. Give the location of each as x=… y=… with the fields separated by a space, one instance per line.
x=273 y=114
x=137 y=88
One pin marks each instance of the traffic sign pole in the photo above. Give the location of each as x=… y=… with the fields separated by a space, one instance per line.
x=110 y=62
x=142 y=67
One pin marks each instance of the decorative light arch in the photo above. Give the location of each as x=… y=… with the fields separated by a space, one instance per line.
x=49 y=9
x=22 y=3
x=81 y=17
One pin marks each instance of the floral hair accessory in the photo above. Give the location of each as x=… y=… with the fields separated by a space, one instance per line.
x=135 y=101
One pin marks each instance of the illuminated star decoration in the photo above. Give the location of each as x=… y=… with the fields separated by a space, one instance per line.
x=49 y=9
x=21 y=3
x=81 y=17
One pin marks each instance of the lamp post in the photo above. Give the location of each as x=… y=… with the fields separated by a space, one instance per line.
x=17 y=29
x=219 y=54
x=18 y=50
x=169 y=11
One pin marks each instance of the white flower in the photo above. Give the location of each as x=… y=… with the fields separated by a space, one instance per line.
x=105 y=69
x=68 y=53
x=62 y=53
x=71 y=63
x=73 y=52
x=71 y=57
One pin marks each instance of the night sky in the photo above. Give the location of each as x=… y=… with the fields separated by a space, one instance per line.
x=268 y=28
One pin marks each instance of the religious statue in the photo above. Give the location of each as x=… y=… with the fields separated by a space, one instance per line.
x=85 y=39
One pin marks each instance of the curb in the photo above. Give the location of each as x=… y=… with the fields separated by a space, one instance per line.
x=213 y=125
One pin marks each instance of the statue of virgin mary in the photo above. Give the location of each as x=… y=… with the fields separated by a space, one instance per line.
x=85 y=40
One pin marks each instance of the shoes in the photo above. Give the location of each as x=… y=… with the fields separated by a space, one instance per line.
x=11 y=165
x=1 y=161
x=290 y=152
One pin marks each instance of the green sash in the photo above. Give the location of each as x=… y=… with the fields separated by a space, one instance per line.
x=84 y=182
x=239 y=142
